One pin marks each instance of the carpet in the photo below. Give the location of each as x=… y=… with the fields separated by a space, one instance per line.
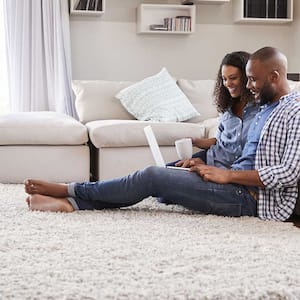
x=148 y=251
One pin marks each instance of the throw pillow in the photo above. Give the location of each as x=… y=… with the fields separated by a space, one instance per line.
x=157 y=98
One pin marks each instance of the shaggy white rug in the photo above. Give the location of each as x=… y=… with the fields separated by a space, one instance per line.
x=149 y=251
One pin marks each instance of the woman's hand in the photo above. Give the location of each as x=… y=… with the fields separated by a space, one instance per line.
x=189 y=162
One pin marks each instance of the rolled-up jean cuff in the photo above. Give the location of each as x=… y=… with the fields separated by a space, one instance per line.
x=71 y=192
x=73 y=203
x=71 y=189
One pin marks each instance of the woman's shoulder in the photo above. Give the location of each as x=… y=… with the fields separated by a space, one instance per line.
x=252 y=106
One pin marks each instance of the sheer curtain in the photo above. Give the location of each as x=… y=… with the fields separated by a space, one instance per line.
x=3 y=69
x=38 y=55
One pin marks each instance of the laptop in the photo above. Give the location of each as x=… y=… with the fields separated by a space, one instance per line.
x=156 y=153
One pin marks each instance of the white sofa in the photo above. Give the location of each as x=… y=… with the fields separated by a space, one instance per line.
x=55 y=147
x=117 y=139
x=108 y=142
x=44 y=145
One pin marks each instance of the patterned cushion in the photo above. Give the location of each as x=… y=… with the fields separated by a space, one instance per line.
x=157 y=98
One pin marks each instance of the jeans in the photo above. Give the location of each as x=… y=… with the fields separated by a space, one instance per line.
x=200 y=154
x=182 y=187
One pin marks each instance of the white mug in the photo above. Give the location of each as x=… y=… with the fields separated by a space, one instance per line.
x=184 y=148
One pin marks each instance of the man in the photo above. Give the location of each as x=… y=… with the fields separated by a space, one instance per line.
x=206 y=188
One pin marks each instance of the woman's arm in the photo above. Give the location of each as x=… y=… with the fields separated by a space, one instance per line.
x=204 y=143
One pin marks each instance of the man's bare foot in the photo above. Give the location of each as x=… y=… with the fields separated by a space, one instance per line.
x=46 y=203
x=33 y=186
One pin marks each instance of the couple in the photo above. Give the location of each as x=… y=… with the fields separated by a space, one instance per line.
x=262 y=181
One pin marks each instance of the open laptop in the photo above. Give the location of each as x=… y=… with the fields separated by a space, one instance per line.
x=158 y=158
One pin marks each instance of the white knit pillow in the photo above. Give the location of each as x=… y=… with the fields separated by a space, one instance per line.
x=157 y=98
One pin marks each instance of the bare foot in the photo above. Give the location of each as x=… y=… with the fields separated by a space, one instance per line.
x=33 y=186
x=46 y=203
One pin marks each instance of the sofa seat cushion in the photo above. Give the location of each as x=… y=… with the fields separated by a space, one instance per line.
x=130 y=133
x=41 y=128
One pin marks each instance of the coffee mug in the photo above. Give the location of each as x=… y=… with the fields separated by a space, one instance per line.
x=184 y=148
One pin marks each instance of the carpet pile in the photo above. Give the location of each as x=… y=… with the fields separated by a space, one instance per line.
x=147 y=251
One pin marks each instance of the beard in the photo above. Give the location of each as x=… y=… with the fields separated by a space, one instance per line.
x=267 y=94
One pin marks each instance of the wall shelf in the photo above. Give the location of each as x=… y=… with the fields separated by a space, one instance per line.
x=210 y=1
x=87 y=7
x=240 y=14
x=154 y=14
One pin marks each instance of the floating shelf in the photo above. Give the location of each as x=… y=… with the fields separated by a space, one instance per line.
x=149 y=14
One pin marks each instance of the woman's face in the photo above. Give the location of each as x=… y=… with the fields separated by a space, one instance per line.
x=232 y=80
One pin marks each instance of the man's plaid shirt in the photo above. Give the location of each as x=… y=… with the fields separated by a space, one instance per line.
x=278 y=160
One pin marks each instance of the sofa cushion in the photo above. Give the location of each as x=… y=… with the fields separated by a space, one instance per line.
x=130 y=133
x=157 y=98
x=200 y=94
x=41 y=128
x=95 y=100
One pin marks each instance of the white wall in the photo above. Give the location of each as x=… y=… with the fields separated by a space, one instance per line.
x=109 y=48
x=294 y=60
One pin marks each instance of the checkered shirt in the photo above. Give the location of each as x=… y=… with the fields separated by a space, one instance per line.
x=278 y=160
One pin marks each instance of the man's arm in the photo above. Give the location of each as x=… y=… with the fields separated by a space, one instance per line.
x=223 y=176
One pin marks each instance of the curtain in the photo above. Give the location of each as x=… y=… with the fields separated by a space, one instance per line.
x=3 y=68
x=39 y=55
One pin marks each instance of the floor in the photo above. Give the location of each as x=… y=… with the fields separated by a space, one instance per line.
x=295 y=220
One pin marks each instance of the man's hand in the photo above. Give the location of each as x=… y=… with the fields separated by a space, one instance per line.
x=189 y=162
x=224 y=176
x=210 y=173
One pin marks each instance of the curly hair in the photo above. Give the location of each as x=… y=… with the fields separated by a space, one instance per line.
x=223 y=99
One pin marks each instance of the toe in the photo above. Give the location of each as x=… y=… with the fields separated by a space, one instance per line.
x=28 y=201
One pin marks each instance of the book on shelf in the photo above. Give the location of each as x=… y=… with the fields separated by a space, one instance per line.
x=179 y=23
x=159 y=27
x=91 y=5
x=99 y=5
x=81 y=5
x=281 y=9
x=254 y=8
x=75 y=4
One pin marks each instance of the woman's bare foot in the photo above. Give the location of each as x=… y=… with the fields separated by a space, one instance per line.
x=33 y=186
x=46 y=203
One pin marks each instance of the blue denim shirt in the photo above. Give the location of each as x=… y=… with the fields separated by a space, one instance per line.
x=247 y=160
x=231 y=137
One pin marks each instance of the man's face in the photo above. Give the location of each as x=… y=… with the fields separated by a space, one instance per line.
x=259 y=82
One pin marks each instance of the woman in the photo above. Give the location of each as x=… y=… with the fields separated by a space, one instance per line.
x=237 y=106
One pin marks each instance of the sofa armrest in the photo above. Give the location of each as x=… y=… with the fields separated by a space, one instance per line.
x=211 y=126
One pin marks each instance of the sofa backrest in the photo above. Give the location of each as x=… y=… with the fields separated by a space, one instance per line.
x=95 y=99
x=200 y=93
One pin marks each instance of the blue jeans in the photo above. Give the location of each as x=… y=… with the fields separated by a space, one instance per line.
x=182 y=187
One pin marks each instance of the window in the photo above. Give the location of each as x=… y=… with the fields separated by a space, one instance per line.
x=4 y=107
